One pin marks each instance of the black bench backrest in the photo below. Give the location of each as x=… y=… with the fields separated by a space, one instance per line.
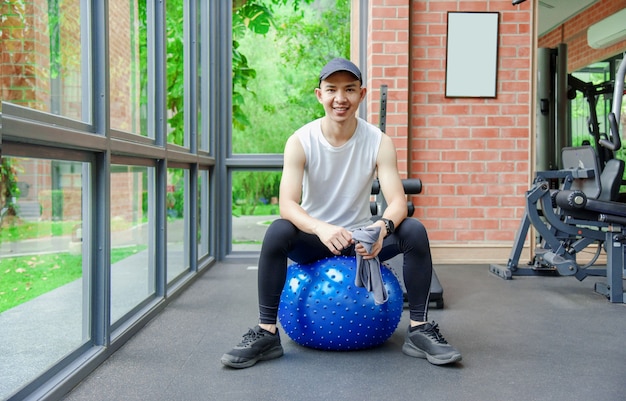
x=412 y=186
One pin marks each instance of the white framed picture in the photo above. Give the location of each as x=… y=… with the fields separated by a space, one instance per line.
x=472 y=54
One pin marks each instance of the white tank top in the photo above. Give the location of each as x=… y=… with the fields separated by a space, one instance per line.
x=337 y=181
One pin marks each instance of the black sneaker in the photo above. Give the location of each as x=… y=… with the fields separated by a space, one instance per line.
x=257 y=345
x=427 y=342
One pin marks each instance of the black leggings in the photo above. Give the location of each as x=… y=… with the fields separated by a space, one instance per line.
x=284 y=241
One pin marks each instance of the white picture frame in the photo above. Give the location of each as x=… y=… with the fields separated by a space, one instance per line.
x=472 y=54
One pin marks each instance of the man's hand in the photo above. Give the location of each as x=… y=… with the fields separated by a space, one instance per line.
x=376 y=247
x=335 y=238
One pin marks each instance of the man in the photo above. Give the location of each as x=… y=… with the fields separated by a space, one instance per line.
x=329 y=166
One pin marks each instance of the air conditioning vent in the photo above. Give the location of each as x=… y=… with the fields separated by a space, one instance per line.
x=608 y=31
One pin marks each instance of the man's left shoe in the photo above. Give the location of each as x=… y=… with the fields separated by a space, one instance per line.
x=427 y=342
x=257 y=345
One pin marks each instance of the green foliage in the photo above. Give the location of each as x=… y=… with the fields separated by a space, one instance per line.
x=36 y=229
x=175 y=71
x=580 y=112
x=287 y=61
x=9 y=190
x=253 y=188
x=254 y=16
x=260 y=209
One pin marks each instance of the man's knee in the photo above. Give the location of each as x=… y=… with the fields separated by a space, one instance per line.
x=412 y=225
x=280 y=228
x=412 y=230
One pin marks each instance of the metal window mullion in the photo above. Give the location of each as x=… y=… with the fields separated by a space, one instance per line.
x=363 y=34
x=157 y=126
x=223 y=128
x=100 y=176
x=87 y=91
x=191 y=217
x=211 y=106
x=204 y=213
x=190 y=58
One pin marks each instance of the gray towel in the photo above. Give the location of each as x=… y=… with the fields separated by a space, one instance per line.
x=368 y=273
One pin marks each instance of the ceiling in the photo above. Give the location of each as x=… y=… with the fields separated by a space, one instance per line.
x=554 y=12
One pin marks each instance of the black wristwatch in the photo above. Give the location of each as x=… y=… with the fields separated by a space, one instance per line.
x=389 y=225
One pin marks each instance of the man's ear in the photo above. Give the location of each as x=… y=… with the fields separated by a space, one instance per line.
x=363 y=93
x=318 y=94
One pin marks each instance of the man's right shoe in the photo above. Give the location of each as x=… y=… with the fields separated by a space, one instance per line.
x=257 y=345
x=426 y=342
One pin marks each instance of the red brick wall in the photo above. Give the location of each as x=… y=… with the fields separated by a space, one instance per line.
x=472 y=154
x=25 y=68
x=387 y=54
x=574 y=34
x=126 y=199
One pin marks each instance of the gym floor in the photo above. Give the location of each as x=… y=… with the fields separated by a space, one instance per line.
x=530 y=338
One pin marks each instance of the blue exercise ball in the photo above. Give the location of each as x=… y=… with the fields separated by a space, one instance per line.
x=320 y=307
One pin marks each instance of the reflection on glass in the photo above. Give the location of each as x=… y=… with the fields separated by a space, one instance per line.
x=128 y=65
x=255 y=206
x=132 y=264
x=44 y=282
x=177 y=238
x=41 y=58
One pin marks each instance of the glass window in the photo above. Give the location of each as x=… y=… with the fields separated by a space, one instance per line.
x=43 y=54
x=44 y=266
x=592 y=86
x=591 y=91
x=177 y=238
x=128 y=61
x=175 y=73
x=255 y=206
x=132 y=259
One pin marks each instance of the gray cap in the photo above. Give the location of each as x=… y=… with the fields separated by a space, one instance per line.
x=340 y=64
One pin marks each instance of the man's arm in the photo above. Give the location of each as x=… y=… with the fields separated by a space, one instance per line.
x=334 y=237
x=390 y=182
x=391 y=187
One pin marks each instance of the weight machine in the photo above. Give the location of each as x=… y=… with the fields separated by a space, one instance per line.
x=582 y=212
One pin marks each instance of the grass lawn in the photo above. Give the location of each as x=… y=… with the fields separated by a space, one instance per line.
x=258 y=210
x=35 y=229
x=23 y=278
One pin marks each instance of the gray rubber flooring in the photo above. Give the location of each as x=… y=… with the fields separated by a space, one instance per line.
x=530 y=338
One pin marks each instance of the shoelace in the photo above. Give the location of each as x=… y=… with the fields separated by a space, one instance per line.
x=249 y=337
x=434 y=333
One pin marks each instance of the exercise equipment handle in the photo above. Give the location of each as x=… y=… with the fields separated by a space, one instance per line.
x=615 y=143
x=618 y=91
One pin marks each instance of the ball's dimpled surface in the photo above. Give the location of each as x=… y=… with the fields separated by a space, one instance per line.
x=320 y=307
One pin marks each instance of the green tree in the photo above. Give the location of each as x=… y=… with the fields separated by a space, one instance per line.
x=9 y=190
x=286 y=61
